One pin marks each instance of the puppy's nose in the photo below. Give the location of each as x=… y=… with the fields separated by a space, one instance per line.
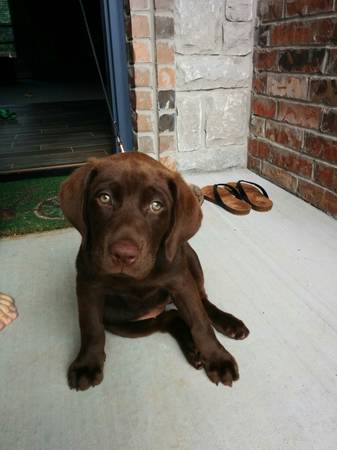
x=124 y=252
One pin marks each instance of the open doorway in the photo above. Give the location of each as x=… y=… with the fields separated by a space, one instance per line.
x=52 y=89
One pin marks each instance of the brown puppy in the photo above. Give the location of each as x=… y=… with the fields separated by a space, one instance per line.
x=135 y=217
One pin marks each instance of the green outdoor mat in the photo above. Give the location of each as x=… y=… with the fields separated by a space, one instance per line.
x=30 y=205
x=6 y=114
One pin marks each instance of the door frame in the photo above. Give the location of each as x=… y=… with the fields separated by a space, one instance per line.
x=117 y=68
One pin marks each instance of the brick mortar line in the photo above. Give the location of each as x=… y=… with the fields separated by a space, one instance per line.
x=307 y=18
x=304 y=102
x=307 y=75
x=324 y=188
x=299 y=177
x=324 y=163
x=263 y=175
x=139 y=110
x=167 y=110
x=325 y=62
x=287 y=171
x=196 y=91
x=309 y=130
x=164 y=40
x=140 y=65
x=275 y=181
x=165 y=66
x=140 y=39
x=162 y=12
x=145 y=133
x=305 y=156
x=144 y=112
x=324 y=134
x=221 y=53
x=141 y=88
x=313 y=160
x=264 y=126
x=283 y=147
x=297 y=46
x=134 y=13
x=298 y=101
x=320 y=134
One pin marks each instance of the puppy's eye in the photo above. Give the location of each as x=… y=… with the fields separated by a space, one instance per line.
x=156 y=206
x=104 y=198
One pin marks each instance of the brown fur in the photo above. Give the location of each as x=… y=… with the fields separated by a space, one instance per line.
x=132 y=262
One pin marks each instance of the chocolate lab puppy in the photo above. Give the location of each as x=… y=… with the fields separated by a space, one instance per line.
x=135 y=217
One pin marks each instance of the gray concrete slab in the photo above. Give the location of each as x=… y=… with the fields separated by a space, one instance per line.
x=276 y=271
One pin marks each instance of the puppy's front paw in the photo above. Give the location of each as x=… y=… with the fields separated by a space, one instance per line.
x=85 y=372
x=230 y=326
x=236 y=329
x=222 y=368
x=194 y=358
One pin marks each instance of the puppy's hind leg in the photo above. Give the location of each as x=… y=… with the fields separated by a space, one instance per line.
x=225 y=323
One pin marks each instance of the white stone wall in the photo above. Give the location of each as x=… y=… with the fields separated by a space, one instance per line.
x=214 y=44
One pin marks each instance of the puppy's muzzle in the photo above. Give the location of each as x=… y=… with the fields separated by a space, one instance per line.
x=124 y=252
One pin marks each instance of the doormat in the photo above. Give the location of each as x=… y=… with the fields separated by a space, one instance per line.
x=30 y=206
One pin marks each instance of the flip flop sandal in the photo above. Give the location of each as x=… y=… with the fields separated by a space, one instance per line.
x=227 y=197
x=254 y=194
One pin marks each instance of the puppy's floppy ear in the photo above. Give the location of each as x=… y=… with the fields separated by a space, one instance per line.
x=73 y=196
x=186 y=216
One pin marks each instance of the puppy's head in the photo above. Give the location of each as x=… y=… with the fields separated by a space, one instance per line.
x=128 y=207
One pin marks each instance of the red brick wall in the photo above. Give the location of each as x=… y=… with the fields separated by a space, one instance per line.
x=293 y=140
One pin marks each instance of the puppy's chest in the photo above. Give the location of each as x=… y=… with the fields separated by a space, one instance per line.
x=135 y=305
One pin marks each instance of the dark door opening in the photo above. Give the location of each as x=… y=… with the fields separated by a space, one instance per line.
x=54 y=89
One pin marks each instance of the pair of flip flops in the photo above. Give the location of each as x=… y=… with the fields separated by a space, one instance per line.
x=238 y=198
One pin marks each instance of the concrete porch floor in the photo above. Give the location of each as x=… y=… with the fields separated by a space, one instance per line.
x=277 y=271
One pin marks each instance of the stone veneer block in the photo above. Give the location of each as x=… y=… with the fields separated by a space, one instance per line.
x=238 y=38
x=189 y=122
x=210 y=72
x=213 y=159
x=239 y=10
x=226 y=117
x=191 y=37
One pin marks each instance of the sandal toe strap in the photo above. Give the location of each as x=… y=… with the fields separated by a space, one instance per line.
x=243 y=193
x=229 y=188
